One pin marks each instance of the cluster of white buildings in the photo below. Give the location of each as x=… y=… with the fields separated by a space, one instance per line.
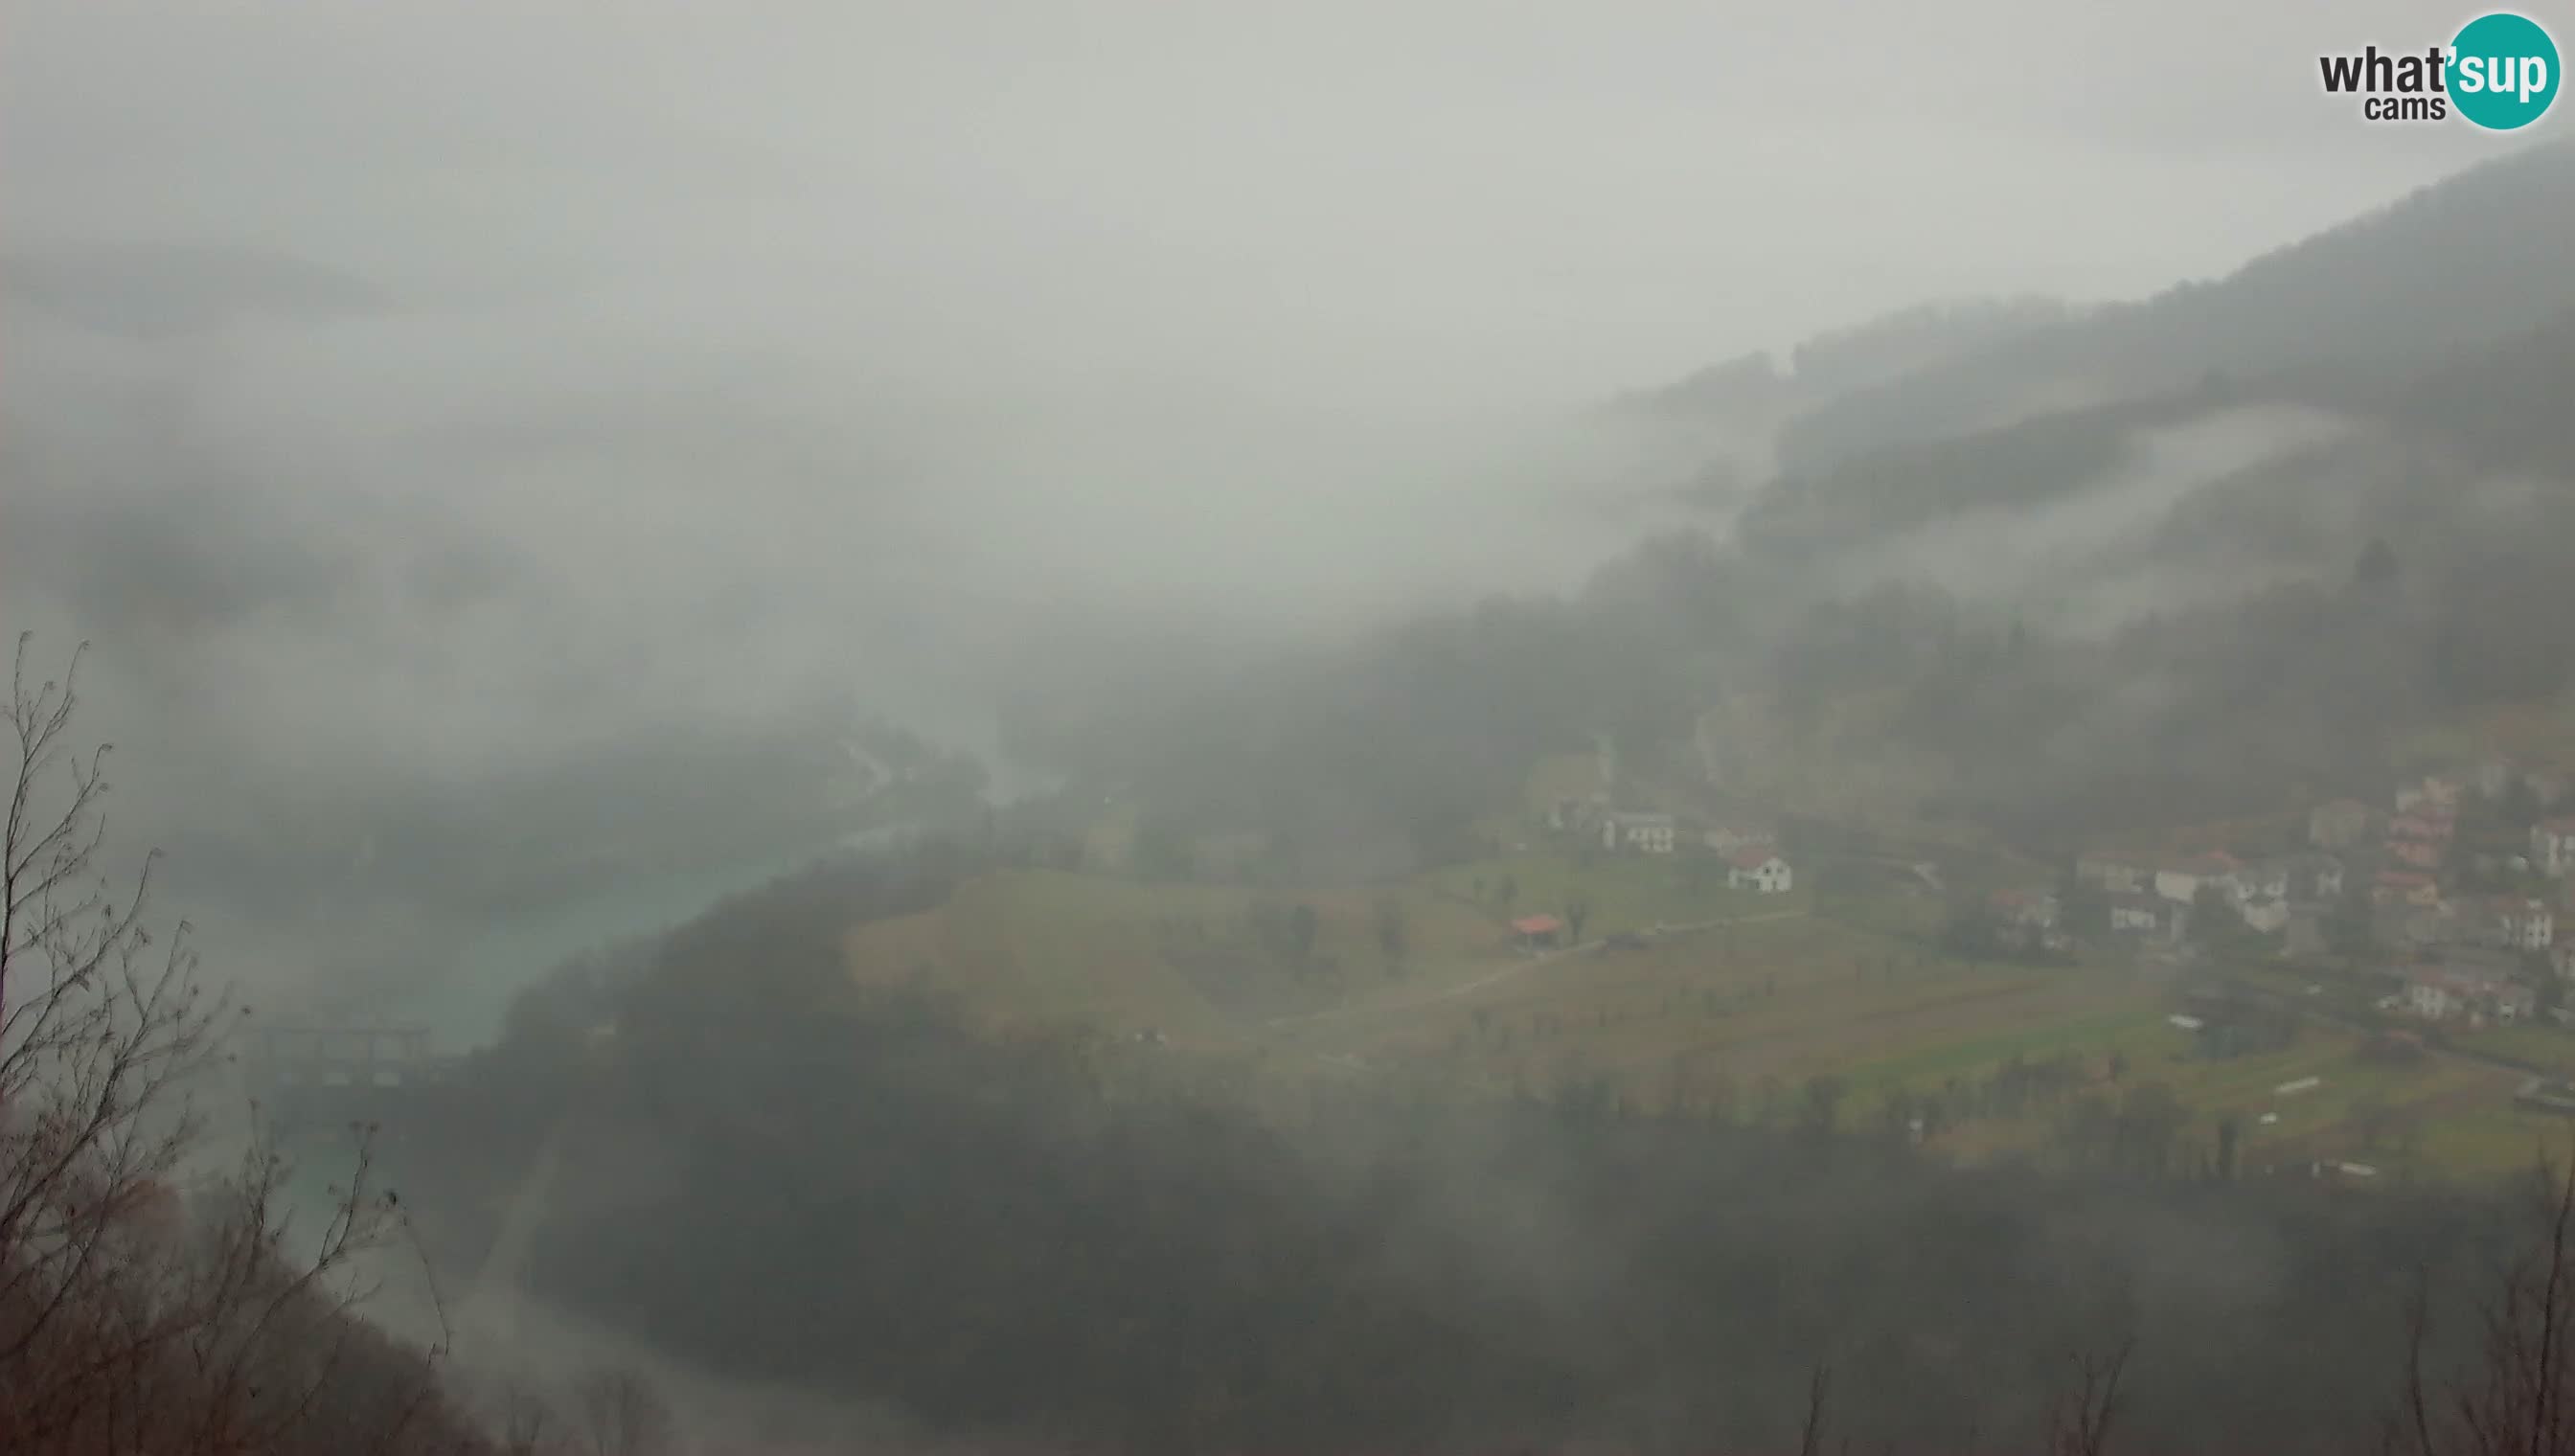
x=1752 y=855
x=2153 y=894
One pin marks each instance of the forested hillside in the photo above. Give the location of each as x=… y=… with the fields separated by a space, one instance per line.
x=852 y=1191
x=2472 y=258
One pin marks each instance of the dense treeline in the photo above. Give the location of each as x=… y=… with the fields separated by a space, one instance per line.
x=1370 y=757
x=2375 y=297
x=2205 y=708
x=855 y=1191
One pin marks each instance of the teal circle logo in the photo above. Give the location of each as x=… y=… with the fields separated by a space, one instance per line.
x=2502 y=71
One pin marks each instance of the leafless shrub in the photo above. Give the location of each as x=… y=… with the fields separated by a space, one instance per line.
x=623 y=1415
x=132 y=1318
x=2515 y=1402
x=2081 y=1425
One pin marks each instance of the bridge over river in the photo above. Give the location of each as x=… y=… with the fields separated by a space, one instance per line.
x=338 y=1071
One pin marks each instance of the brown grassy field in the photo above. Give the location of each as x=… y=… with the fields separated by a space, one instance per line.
x=1740 y=1016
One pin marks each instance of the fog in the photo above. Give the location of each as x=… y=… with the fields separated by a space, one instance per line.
x=2081 y=559
x=432 y=387
x=527 y=472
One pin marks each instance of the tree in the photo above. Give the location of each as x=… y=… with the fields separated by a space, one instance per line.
x=1303 y=926
x=622 y=1415
x=2149 y=1117
x=1391 y=931
x=2520 y=1401
x=2348 y=926
x=1820 y=1105
x=130 y=1319
x=2372 y=1119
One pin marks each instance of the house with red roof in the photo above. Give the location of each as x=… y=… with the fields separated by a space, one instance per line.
x=1757 y=868
x=2034 y=907
x=2441 y=992
x=2418 y=853
x=1538 y=930
x=2182 y=879
x=2150 y=915
x=2404 y=886
x=2114 y=870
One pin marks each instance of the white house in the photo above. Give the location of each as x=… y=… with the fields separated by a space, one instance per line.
x=2267 y=879
x=2552 y=845
x=2182 y=879
x=1643 y=834
x=2439 y=791
x=2266 y=914
x=2438 y=994
x=2315 y=877
x=1760 y=869
x=2119 y=874
x=2148 y=915
x=2035 y=908
x=2524 y=924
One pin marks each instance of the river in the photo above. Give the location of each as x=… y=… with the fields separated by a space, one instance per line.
x=465 y=1008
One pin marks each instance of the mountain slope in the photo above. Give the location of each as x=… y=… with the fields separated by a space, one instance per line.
x=2467 y=259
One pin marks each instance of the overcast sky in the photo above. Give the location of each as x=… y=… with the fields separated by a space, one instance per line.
x=1438 y=198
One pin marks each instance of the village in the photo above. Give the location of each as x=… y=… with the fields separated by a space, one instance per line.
x=2451 y=893
x=2437 y=908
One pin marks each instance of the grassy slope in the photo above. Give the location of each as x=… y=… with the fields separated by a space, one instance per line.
x=1762 y=1004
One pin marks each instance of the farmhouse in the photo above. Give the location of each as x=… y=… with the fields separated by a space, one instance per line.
x=2521 y=924
x=1757 y=868
x=2114 y=871
x=2417 y=853
x=2267 y=913
x=1640 y=834
x=2314 y=876
x=2035 y=908
x=2443 y=994
x=2439 y=791
x=1538 y=930
x=2427 y=824
x=2182 y=879
x=2423 y=926
x=2265 y=880
x=2404 y=886
x=2149 y=916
